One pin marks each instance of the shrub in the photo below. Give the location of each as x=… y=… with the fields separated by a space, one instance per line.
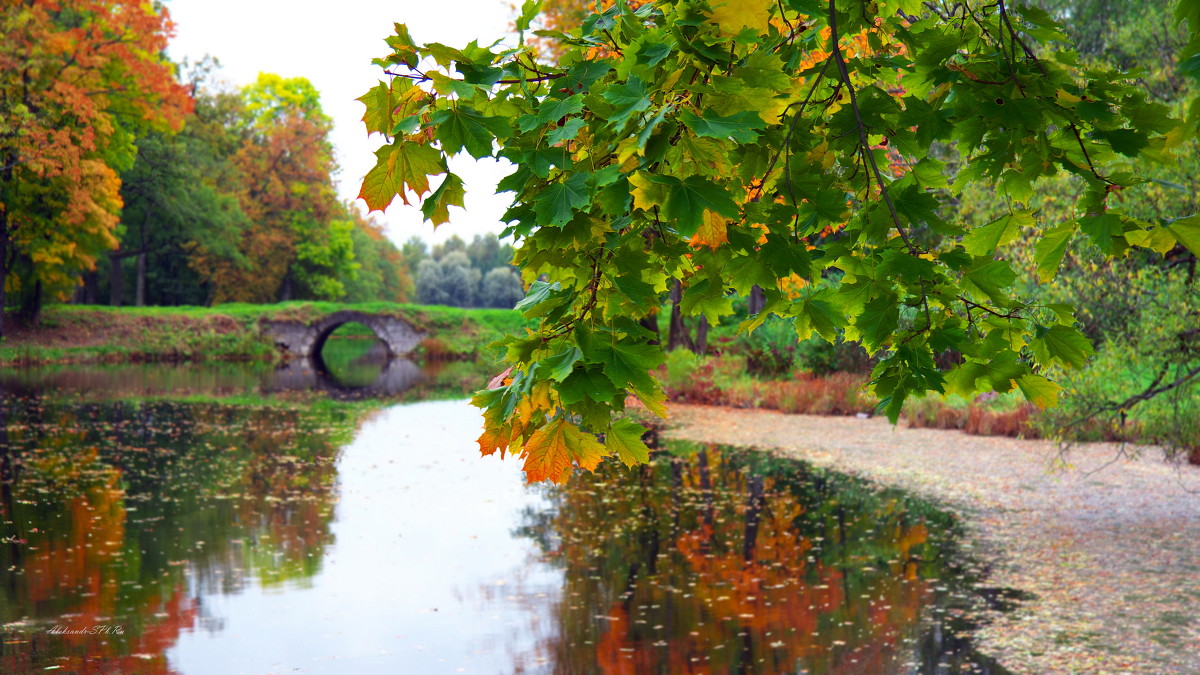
x=822 y=358
x=771 y=348
x=688 y=377
x=836 y=394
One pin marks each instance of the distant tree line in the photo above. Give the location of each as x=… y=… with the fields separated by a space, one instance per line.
x=458 y=274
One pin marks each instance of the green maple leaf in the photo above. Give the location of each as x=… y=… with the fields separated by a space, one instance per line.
x=569 y=130
x=559 y=366
x=1104 y=229
x=740 y=127
x=625 y=362
x=1038 y=390
x=436 y=207
x=624 y=439
x=556 y=204
x=984 y=240
x=586 y=383
x=708 y=299
x=879 y=319
x=1050 y=249
x=465 y=127
x=1128 y=142
x=990 y=277
x=1063 y=344
x=553 y=110
x=400 y=167
x=627 y=100
x=687 y=199
x=748 y=271
x=1187 y=232
x=818 y=312
x=999 y=374
x=378 y=116
x=542 y=297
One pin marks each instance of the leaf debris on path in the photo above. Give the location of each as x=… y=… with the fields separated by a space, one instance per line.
x=1109 y=549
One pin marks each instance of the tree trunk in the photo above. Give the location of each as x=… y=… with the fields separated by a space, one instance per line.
x=140 y=297
x=677 y=335
x=140 y=288
x=754 y=504
x=4 y=244
x=31 y=304
x=91 y=287
x=650 y=323
x=702 y=336
x=85 y=293
x=285 y=289
x=115 y=283
x=757 y=300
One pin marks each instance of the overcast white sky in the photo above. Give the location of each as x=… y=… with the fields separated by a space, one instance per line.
x=332 y=44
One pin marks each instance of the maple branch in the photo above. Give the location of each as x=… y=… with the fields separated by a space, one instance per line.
x=936 y=11
x=1079 y=139
x=975 y=305
x=864 y=143
x=783 y=15
x=422 y=77
x=787 y=152
x=1017 y=39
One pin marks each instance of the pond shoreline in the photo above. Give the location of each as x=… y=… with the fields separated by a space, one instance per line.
x=1108 y=544
x=87 y=334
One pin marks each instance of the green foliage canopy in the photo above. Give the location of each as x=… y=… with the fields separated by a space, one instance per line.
x=755 y=142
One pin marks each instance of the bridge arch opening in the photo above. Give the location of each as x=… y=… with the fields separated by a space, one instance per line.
x=351 y=353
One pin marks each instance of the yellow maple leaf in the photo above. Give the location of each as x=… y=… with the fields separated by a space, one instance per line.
x=734 y=15
x=821 y=155
x=713 y=231
x=646 y=193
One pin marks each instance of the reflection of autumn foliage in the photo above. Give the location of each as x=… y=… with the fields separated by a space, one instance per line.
x=108 y=505
x=292 y=502
x=726 y=563
x=75 y=568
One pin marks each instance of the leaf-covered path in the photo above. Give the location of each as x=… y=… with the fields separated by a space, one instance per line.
x=1108 y=545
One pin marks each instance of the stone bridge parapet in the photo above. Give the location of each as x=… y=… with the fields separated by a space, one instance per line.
x=307 y=339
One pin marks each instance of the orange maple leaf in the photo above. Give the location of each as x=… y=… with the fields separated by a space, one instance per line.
x=553 y=450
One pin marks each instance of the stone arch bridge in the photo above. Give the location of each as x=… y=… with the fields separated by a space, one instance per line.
x=306 y=339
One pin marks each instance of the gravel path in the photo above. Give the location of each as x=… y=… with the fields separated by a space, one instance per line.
x=1108 y=545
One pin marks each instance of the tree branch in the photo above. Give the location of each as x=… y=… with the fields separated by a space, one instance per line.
x=864 y=144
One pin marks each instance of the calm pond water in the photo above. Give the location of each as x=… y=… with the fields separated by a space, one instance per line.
x=232 y=519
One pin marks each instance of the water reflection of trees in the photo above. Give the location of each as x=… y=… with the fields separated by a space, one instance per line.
x=722 y=561
x=124 y=513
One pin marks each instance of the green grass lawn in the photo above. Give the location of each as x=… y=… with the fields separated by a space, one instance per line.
x=87 y=333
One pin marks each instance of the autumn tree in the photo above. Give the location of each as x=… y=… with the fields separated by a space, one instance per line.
x=79 y=81
x=299 y=242
x=383 y=272
x=726 y=145
x=180 y=203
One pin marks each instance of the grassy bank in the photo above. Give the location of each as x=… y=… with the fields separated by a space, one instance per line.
x=91 y=334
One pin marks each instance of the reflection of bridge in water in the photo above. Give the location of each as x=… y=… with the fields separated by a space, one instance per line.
x=307 y=370
x=395 y=377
